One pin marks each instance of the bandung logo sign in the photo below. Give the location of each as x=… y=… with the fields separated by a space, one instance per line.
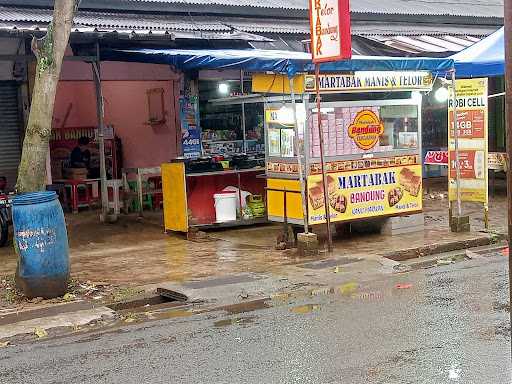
x=366 y=129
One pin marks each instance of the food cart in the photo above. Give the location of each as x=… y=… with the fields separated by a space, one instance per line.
x=221 y=182
x=371 y=127
x=367 y=158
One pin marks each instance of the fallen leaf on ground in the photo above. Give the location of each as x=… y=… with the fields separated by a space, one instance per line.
x=4 y=344
x=68 y=297
x=40 y=332
x=403 y=286
x=348 y=288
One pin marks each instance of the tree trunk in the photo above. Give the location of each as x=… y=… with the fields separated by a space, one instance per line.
x=49 y=52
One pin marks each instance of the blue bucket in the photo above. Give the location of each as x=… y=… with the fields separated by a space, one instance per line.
x=41 y=241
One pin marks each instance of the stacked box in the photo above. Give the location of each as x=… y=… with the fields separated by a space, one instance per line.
x=331 y=139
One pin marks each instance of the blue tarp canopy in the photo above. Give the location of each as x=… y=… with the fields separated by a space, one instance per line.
x=258 y=60
x=482 y=59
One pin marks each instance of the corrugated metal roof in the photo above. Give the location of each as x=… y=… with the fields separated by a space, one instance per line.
x=407 y=37
x=116 y=21
x=472 y=8
x=267 y=25
x=295 y=26
x=278 y=4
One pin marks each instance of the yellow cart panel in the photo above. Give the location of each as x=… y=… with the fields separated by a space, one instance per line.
x=275 y=200
x=175 y=197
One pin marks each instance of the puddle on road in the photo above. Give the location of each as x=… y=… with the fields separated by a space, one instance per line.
x=169 y=314
x=235 y=321
x=305 y=309
x=346 y=289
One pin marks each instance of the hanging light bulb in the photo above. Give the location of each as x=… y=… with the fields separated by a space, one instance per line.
x=223 y=88
x=285 y=115
x=441 y=95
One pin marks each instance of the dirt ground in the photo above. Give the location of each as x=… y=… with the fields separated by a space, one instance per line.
x=136 y=252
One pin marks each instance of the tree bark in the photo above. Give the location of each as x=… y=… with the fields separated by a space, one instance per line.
x=49 y=52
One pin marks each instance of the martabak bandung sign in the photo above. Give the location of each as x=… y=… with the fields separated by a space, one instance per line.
x=330 y=30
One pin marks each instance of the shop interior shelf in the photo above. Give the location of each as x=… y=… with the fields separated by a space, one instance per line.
x=226 y=172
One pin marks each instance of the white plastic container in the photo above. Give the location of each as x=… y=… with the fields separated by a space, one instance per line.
x=243 y=193
x=225 y=206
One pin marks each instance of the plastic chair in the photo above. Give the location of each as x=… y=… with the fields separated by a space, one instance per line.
x=155 y=183
x=147 y=199
x=113 y=189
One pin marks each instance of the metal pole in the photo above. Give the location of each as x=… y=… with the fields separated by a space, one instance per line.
x=456 y=138
x=244 y=138
x=508 y=116
x=322 y=162
x=299 y=157
x=101 y=135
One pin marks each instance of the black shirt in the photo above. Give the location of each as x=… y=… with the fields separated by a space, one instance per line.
x=79 y=158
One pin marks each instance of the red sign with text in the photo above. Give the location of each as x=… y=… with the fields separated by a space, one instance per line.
x=471 y=124
x=436 y=158
x=471 y=164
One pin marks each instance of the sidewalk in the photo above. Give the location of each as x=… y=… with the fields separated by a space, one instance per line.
x=134 y=253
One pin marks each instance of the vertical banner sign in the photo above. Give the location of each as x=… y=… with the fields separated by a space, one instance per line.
x=330 y=30
x=471 y=104
x=190 y=130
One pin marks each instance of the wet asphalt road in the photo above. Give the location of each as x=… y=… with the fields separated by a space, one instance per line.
x=448 y=324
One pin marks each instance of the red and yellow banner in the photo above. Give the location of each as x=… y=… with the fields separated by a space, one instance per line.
x=471 y=104
x=366 y=193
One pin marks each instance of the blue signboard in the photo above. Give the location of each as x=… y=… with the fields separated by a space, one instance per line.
x=190 y=129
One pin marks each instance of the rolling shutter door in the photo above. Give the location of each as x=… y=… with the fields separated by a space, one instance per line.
x=10 y=129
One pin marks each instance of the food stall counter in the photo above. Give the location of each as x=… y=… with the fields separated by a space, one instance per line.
x=194 y=199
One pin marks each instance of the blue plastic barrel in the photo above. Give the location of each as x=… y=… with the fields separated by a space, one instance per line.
x=41 y=241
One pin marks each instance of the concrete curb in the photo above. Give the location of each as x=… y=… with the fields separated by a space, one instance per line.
x=414 y=253
x=68 y=319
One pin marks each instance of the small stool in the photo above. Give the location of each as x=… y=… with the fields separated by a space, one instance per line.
x=116 y=204
x=79 y=194
x=155 y=183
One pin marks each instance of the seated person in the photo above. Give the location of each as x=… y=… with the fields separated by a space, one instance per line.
x=81 y=156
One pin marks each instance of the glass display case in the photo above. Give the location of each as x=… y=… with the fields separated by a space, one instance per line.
x=372 y=158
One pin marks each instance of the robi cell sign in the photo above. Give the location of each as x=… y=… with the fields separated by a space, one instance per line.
x=330 y=30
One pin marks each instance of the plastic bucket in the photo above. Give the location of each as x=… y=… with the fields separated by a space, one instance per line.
x=41 y=241
x=225 y=206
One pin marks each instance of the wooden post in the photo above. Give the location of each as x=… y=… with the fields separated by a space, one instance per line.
x=299 y=157
x=101 y=137
x=322 y=162
x=508 y=123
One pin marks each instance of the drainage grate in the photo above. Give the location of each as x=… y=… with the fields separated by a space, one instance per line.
x=329 y=263
x=170 y=294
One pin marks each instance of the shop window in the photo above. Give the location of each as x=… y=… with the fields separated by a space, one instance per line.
x=156 y=106
x=400 y=126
